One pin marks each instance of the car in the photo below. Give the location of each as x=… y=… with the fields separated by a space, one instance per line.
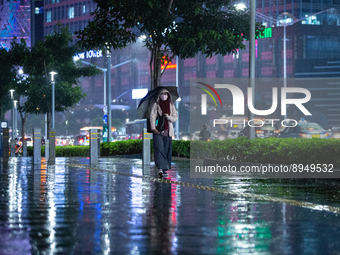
x=119 y=138
x=305 y=129
x=29 y=140
x=184 y=136
x=267 y=130
x=335 y=132
x=195 y=135
x=62 y=141
x=81 y=140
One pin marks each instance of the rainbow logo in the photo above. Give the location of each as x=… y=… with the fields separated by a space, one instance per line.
x=209 y=93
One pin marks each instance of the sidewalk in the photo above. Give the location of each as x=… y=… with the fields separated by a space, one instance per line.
x=113 y=209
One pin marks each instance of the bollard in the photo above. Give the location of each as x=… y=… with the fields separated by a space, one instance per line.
x=24 y=148
x=47 y=148
x=93 y=147
x=5 y=145
x=36 y=146
x=12 y=148
x=146 y=149
x=51 y=155
x=98 y=131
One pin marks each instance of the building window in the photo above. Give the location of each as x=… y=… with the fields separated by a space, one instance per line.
x=71 y=13
x=322 y=46
x=84 y=9
x=49 y=16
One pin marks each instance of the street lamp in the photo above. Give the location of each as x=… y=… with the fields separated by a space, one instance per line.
x=12 y=112
x=240 y=6
x=285 y=25
x=15 y=118
x=107 y=89
x=252 y=8
x=108 y=57
x=100 y=68
x=53 y=97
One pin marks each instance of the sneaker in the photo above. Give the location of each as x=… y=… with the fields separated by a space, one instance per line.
x=165 y=173
x=160 y=173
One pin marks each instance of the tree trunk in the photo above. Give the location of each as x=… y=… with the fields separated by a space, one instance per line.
x=155 y=67
x=23 y=122
x=23 y=116
x=2 y=114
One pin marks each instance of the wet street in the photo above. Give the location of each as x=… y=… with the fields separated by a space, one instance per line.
x=74 y=209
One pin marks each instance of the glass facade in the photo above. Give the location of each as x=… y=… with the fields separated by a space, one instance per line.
x=14 y=22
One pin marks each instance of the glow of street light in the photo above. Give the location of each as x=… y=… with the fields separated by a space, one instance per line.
x=12 y=91
x=142 y=37
x=240 y=6
x=52 y=75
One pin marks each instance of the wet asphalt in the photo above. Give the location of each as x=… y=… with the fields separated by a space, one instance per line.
x=64 y=209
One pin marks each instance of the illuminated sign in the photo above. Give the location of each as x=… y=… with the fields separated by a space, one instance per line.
x=170 y=66
x=267 y=33
x=89 y=54
x=139 y=93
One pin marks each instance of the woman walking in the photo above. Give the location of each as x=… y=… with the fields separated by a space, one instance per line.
x=162 y=140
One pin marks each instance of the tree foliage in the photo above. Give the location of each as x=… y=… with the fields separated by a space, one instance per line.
x=55 y=53
x=7 y=76
x=170 y=27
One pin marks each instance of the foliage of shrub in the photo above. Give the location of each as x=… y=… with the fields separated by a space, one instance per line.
x=121 y=148
x=271 y=150
x=181 y=148
x=64 y=151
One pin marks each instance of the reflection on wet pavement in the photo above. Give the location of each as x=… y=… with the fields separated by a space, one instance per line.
x=68 y=210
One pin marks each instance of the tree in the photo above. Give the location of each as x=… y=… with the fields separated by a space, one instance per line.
x=7 y=76
x=170 y=28
x=55 y=53
x=19 y=54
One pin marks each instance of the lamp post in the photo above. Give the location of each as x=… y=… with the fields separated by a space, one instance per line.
x=251 y=134
x=105 y=76
x=51 y=140
x=53 y=97
x=15 y=115
x=100 y=68
x=108 y=56
x=109 y=100
x=285 y=25
x=241 y=6
x=177 y=122
x=12 y=146
x=12 y=112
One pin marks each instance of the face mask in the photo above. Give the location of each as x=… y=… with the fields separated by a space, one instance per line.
x=164 y=97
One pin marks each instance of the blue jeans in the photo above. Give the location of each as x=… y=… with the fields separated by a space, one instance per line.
x=162 y=147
